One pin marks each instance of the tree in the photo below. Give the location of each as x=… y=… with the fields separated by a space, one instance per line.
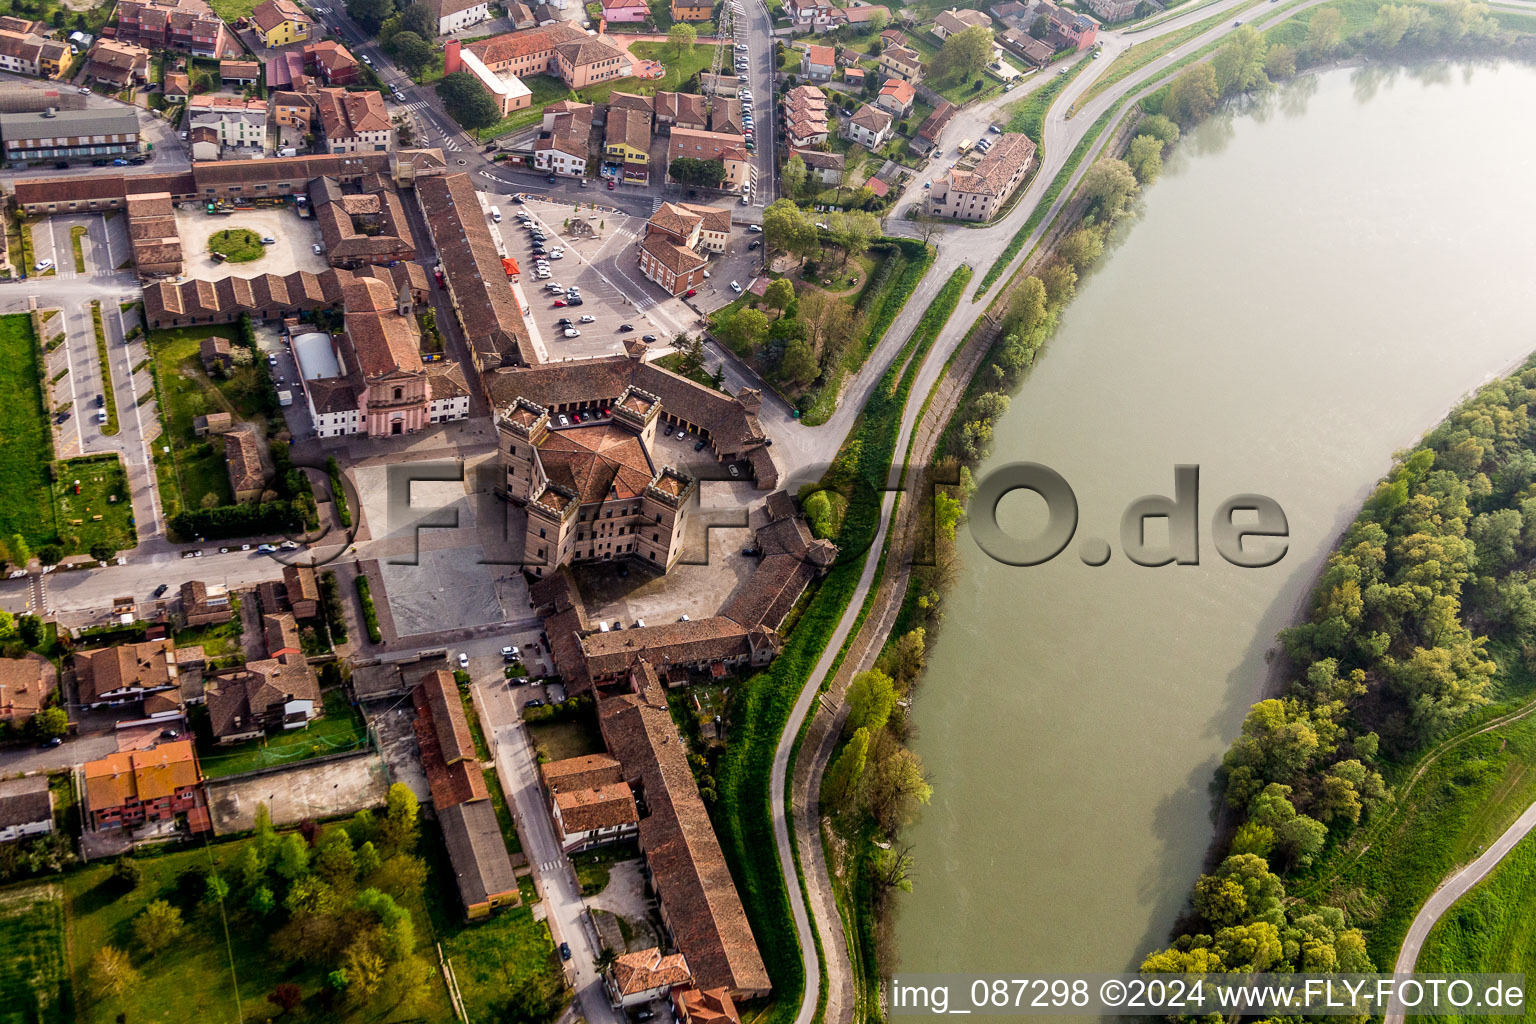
x=215 y=889
x=1239 y=63
x=853 y=232
x=370 y=13
x=1026 y=305
x=367 y=860
x=400 y=813
x=266 y=835
x=1160 y=128
x=127 y=874
x=799 y=363
x=30 y=629
x=965 y=53
x=779 y=294
x=157 y=926
x=605 y=960
x=1040 y=27
x=788 y=229
x=21 y=554
x=111 y=973
x=49 y=723
x=1280 y=62
x=49 y=554
x=293 y=857
x=793 y=176
x=467 y=102
x=1110 y=185
x=1324 y=33
x=336 y=861
x=262 y=901
x=894 y=786
x=847 y=772
x=878 y=20
x=746 y=330
x=1145 y=158
x=871 y=699
x=286 y=997
x=411 y=51
x=420 y=19
x=687 y=170
x=681 y=35
x=1193 y=94
x=103 y=552
x=1081 y=248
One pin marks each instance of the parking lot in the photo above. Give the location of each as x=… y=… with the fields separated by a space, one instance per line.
x=292 y=251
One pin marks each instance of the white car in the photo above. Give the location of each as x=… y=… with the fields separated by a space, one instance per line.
x=509 y=653
x=463 y=660
x=735 y=287
x=682 y=435
x=41 y=265
x=565 y=420
x=589 y=319
x=571 y=332
x=542 y=275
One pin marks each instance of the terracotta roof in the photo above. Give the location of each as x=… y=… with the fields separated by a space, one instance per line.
x=141 y=775
x=956 y=20
x=688 y=870
x=629 y=127
x=272 y=13
x=648 y=969
x=935 y=122
x=871 y=118
x=596 y=463
x=239 y=69
x=992 y=175
x=141 y=666
x=589 y=50
x=902 y=92
x=528 y=43
x=446 y=380
x=25 y=684
x=440 y=702
x=581 y=772
x=492 y=317
x=445 y=8
x=825 y=55
x=631 y=101
x=611 y=805
x=677 y=258
x=242 y=457
x=242 y=701
x=711 y=1007
x=384 y=341
x=819 y=160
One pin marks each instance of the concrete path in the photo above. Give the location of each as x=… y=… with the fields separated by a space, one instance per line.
x=1451 y=890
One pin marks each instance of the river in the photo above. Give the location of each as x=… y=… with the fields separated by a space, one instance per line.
x=1310 y=287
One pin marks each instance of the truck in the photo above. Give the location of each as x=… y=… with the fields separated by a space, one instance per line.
x=965 y=146
x=288 y=151
x=285 y=398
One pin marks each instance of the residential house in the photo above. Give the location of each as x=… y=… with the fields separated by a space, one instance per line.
x=954 y=21
x=681 y=110
x=638 y=978
x=671 y=250
x=125 y=673
x=730 y=150
x=594 y=815
x=1068 y=30
x=281 y=633
x=521 y=16
x=805 y=116
x=354 y=122
x=280 y=23
x=893 y=37
x=933 y=126
x=25 y=686
x=687 y=10
x=27 y=53
x=566 y=141
x=625 y=11
x=856 y=16
x=176 y=86
x=203 y=141
x=726 y=117
x=302 y=589
x=476 y=850
x=1113 y=10
x=560 y=49
x=856 y=77
x=296 y=110
x=1034 y=52
x=627 y=145
x=26 y=808
x=49 y=135
x=869 y=127
x=979 y=195
x=696 y=1006
x=276 y=692
x=241 y=124
x=332 y=62
x=187 y=25
x=237 y=74
x=242 y=457
x=818 y=63
x=903 y=63
x=826 y=168
x=1012 y=13
x=809 y=15
x=896 y=98
x=457 y=15
x=213 y=423
x=205 y=605
x=137 y=786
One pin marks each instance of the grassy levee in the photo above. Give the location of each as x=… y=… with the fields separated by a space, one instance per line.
x=761 y=707
x=1491 y=929
x=1028 y=115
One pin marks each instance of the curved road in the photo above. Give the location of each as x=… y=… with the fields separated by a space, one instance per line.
x=979 y=247
x=1453 y=889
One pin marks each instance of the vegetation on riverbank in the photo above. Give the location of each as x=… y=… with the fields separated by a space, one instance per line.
x=1491 y=928
x=759 y=708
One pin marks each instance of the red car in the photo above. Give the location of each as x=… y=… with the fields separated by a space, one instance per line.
x=606 y=412
x=691 y=293
x=559 y=303
x=611 y=185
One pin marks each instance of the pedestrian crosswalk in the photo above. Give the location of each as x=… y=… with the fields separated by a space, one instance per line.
x=656 y=204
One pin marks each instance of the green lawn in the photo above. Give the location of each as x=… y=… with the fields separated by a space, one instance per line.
x=232 y=10
x=92 y=517
x=476 y=733
x=503 y=812
x=239 y=245
x=694 y=59
x=218 y=640
x=1028 y=115
x=75 y=234
x=195 y=466
x=1492 y=928
x=34 y=987
x=341 y=728
x=556 y=741
x=24 y=504
x=545 y=89
x=493 y=958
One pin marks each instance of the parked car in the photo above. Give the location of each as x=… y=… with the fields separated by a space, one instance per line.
x=463 y=660
x=681 y=434
x=736 y=287
x=266 y=549
x=42 y=265
x=690 y=293
x=316 y=249
x=699 y=446
x=560 y=303
x=509 y=653
x=571 y=332
x=626 y=328
x=754 y=229
x=735 y=470
x=753 y=244
x=588 y=319
x=648 y=337
x=269 y=241
x=565 y=321
x=162 y=588
x=565 y=949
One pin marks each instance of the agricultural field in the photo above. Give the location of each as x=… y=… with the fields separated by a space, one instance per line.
x=25 y=507
x=34 y=983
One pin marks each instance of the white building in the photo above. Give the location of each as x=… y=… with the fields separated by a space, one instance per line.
x=26 y=808
x=454 y=15
x=240 y=123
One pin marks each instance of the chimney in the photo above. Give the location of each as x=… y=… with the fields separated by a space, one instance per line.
x=451 y=60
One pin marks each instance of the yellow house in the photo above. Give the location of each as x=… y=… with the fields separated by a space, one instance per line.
x=627 y=142
x=691 y=11
x=280 y=23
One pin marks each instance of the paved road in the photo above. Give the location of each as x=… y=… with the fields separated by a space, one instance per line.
x=1451 y=890
x=552 y=872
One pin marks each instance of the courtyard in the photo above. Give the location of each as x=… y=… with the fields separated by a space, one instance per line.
x=293 y=250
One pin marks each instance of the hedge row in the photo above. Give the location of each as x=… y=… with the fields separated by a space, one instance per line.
x=338 y=492
x=370 y=613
